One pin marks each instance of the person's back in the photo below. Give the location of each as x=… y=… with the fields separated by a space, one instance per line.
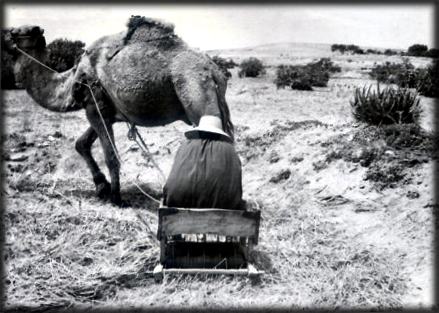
x=206 y=172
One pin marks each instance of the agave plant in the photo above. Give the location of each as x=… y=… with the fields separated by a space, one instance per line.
x=387 y=106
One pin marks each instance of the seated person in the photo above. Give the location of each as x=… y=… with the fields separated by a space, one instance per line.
x=207 y=171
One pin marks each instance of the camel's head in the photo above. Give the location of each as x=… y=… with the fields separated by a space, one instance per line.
x=27 y=38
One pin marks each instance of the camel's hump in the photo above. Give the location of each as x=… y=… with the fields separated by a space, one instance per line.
x=136 y=21
x=145 y=28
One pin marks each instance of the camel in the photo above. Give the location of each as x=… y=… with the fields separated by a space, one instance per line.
x=145 y=75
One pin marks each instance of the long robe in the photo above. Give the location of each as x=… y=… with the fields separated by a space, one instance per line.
x=206 y=174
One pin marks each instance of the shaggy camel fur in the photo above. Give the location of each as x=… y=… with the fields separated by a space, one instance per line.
x=146 y=75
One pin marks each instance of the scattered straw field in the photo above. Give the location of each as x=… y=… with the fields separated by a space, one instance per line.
x=330 y=236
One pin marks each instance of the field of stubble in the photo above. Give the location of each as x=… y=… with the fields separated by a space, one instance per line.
x=329 y=237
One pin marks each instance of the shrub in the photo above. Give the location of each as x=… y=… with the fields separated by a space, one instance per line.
x=417 y=50
x=347 y=48
x=303 y=77
x=432 y=53
x=402 y=74
x=387 y=106
x=63 y=54
x=251 y=67
x=293 y=76
x=224 y=65
x=405 y=75
x=327 y=65
x=338 y=47
x=373 y=51
x=390 y=52
x=428 y=81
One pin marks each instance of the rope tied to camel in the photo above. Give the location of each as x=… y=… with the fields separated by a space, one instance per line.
x=113 y=146
x=134 y=135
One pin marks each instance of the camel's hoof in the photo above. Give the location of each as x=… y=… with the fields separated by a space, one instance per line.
x=103 y=190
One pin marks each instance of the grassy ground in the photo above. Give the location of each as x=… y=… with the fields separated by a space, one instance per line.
x=328 y=237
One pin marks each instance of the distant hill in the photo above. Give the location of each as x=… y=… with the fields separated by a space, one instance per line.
x=277 y=53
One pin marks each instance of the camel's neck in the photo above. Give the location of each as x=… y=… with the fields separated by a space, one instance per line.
x=49 y=89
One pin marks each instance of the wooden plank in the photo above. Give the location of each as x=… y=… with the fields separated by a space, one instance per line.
x=173 y=221
x=251 y=271
x=163 y=250
x=206 y=271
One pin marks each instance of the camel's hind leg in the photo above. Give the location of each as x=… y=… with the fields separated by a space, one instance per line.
x=83 y=146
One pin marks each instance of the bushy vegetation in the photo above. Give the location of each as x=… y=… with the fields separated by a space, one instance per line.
x=387 y=106
x=347 y=48
x=405 y=75
x=417 y=50
x=251 y=67
x=373 y=51
x=390 y=52
x=432 y=53
x=428 y=81
x=224 y=65
x=63 y=54
x=387 y=151
x=402 y=74
x=304 y=77
x=7 y=65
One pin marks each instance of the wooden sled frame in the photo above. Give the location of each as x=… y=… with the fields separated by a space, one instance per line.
x=238 y=224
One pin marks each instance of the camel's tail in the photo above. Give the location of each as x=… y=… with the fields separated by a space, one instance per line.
x=224 y=108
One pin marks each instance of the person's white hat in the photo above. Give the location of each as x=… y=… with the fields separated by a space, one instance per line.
x=209 y=124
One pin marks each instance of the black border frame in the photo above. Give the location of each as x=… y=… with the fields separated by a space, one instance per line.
x=89 y=308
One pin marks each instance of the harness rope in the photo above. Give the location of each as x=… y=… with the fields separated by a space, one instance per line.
x=113 y=146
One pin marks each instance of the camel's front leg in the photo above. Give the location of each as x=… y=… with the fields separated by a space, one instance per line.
x=106 y=136
x=83 y=146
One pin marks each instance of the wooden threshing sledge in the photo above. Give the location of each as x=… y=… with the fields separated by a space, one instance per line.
x=208 y=241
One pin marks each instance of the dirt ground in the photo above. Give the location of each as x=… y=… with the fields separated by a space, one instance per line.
x=329 y=236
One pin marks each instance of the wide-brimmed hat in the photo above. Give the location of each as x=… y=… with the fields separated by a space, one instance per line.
x=207 y=124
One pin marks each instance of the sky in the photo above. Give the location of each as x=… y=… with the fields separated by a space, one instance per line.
x=235 y=26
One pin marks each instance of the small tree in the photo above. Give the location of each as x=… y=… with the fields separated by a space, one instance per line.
x=417 y=50
x=64 y=54
x=432 y=53
x=251 y=67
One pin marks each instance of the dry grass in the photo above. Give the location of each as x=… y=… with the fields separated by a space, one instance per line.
x=328 y=239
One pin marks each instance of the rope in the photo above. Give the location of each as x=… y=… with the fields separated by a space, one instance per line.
x=134 y=135
x=32 y=58
x=113 y=146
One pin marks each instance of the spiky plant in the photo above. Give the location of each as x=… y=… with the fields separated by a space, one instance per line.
x=387 y=106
